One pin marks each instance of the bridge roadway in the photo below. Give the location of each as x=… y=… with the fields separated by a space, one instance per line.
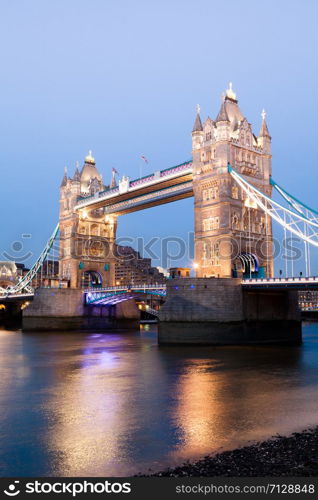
x=112 y=295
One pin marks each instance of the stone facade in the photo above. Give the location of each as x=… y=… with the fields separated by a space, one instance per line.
x=87 y=237
x=232 y=235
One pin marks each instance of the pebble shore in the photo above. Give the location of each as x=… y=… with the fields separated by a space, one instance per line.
x=295 y=455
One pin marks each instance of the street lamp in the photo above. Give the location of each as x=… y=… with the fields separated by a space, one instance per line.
x=195 y=267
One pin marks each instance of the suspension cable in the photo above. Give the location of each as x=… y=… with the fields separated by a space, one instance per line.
x=24 y=283
x=273 y=209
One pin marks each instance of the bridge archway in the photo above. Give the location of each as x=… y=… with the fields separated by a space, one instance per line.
x=246 y=263
x=91 y=279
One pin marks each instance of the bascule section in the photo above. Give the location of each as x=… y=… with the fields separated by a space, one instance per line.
x=233 y=236
x=87 y=237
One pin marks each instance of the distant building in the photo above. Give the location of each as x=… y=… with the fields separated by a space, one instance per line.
x=8 y=273
x=179 y=272
x=131 y=268
x=308 y=301
x=47 y=275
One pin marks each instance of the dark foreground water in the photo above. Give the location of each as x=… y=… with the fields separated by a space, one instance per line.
x=117 y=404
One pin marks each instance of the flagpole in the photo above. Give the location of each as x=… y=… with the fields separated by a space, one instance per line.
x=143 y=158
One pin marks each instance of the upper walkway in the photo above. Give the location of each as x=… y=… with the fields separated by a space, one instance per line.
x=160 y=187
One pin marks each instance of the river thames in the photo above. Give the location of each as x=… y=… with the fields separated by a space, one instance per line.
x=85 y=404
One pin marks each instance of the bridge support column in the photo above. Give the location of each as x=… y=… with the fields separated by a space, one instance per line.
x=217 y=311
x=64 y=309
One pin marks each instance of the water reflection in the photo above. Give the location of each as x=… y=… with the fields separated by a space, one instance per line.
x=93 y=404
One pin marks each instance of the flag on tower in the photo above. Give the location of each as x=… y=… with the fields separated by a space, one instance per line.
x=114 y=171
x=144 y=159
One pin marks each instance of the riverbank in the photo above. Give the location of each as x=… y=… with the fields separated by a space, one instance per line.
x=295 y=455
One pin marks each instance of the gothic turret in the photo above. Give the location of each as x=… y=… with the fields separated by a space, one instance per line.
x=65 y=178
x=77 y=175
x=222 y=116
x=264 y=130
x=230 y=113
x=197 y=131
x=113 y=182
x=197 y=127
x=222 y=122
x=88 y=173
x=264 y=139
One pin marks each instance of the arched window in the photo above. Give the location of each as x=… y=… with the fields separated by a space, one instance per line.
x=235 y=221
x=206 y=253
x=235 y=192
x=213 y=192
x=215 y=254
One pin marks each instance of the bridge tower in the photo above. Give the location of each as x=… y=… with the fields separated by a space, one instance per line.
x=231 y=234
x=87 y=237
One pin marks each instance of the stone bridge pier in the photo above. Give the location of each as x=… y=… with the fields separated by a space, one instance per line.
x=64 y=309
x=219 y=311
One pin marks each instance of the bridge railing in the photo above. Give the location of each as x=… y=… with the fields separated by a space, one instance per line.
x=119 y=288
x=293 y=279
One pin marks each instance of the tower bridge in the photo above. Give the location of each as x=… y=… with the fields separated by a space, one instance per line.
x=224 y=213
x=230 y=180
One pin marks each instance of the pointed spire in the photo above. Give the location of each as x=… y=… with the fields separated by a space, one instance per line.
x=222 y=116
x=264 y=130
x=113 y=183
x=77 y=175
x=64 y=180
x=197 y=127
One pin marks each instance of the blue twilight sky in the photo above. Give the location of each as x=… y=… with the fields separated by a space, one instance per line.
x=123 y=77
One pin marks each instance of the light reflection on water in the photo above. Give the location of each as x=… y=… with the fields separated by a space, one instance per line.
x=117 y=404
